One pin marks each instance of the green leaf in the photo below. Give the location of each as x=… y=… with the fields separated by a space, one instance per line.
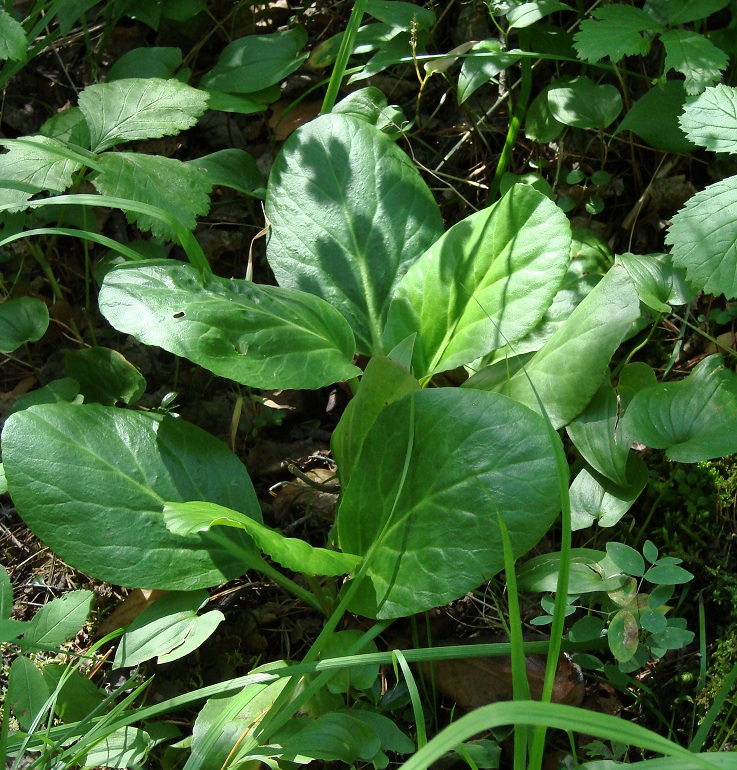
x=256 y=62
x=126 y=747
x=650 y=551
x=595 y=498
x=68 y=126
x=672 y=638
x=39 y=162
x=179 y=188
x=231 y=168
x=153 y=62
x=473 y=456
x=581 y=103
x=694 y=419
x=65 y=389
x=626 y=558
x=685 y=11
x=383 y=382
x=13 y=41
x=540 y=574
x=479 y=70
x=168 y=629
x=528 y=13
x=292 y=553
x=91 y=482
x=540 y=125
x=22 y=320
x=27 y=691
x=261 y=336
x=60 y=620
x=695 y=57
x=703 y=238
x=10 y=630
x=139 y=108
x=614 y=31
x=76 y=698
x=623 y=635
x=709 y=120
x=357 y=677
x=653 y=621
x=486 y=283
x=239 y=103
x=668 y=574
x=6 y=594
x=401 y=14
x=349 y=214
x=370 y=104
x=659 y=284
x=105 y=376
x=567 y=371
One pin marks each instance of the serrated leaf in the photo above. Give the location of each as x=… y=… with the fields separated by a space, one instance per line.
x=486 y=283
x=695 y=57
x=13 y=40
x=694 y=419
x=179 y=188
x=581 y=103
x=477 y=71
x=61 y=619
x=38 y=161
x=711 y=119
x=615 y=31
x=68 y=126
x=22 y=320
x=262 y=336
x=139 y=108
x=703 y=238
x=349 y=214
x=291 y=552
x=27 y=691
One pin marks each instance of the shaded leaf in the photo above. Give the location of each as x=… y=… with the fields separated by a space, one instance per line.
x=139 y=108
x=477 y=71
x=76 y=698
x=659 y=284
x=349 y=214
x=105 y=376
x=614 y=31
x=358 y=677
x=27 y=691
x=370 y=104
x=66 y=389
x=6 y=594
x=581 y=103
x=695 y=57
x=626 y=558
x=540 y=124
x=22 y=320
x=13 y=40
x=151 y=62
x=231 y=168
x=262 y=336
x=668 y=574
x=528 y=13
x=710 y=120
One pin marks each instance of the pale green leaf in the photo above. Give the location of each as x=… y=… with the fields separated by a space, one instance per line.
x=659 y=284
x=581 y=103
x=262 y=336
x=540 y=574
x=710 y=120
x=496 y=459
x=179 y=188
x=349 y=214
x=478 y=70
x=703 y=238
x=105 y=376
x=528 y=13
x=22 y=320
x=91 y=482
x=291 y=552
x=6 y=591
x=614 y=31
x=13 y=40
x=38 y=161
x=693 y=419
x=126 y=747
x=486 y=283
x=61 y=619
x=68 y=126
x=370 y=104
x=139 y=108
x=695 y=57
x=27 y=691
x=623 y=635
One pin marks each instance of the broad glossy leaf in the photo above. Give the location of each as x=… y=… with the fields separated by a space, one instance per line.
x=27 y=691
x=13 y=40
x=262 y=336
x=256 y=62
x=179 y=188
x=292 y=553
x=61 y=619
x=709 y=120
x=487 y=282
x=695 y=57
x=349 y=214
x=383 y=382
x=66 y=389
x=231 y=168
x=168 y=629
x=567 y=371
x=659 y=284
x=581 y=103
x=477 y=71
x=703 y=238
x=22 y=320
x=654 y=117
x=615 y=31
x=139 y=108
x=105 y=376
x=595 y=498
x=693 y=419
x=473 y=456
x=91 y=482
x=38 y=161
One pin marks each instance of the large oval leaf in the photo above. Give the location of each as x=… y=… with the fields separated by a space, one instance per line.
x=349 y=214
x=91 y=482
x=434 y=531
x=485 y=283
x=694 y=419
x=261 y=336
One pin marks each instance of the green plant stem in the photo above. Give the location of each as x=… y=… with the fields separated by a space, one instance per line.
x=698 y=741
x=344 y=54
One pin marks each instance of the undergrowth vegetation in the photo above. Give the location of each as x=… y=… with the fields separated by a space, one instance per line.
x=494 y=243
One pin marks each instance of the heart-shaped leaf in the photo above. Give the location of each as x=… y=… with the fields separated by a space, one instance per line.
x=436 y=468
x=22 y=320
x=581 y=103
x=349 y=214
x=262 y=336
x=91 y=482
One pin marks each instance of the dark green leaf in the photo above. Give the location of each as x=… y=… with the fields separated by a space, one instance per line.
x=60 y=620
x=357 y=677
x=22 y=320
x=623 y=635
x=27 y=691
x=614 y=31
x=668 y=574
x=652 y=621
x=6 y=594
x=13 y=40
x=479 y=70
x=151 y=62
x=105 y=376
x=262 y=336
x=76 y=698
x=650 y=551
x=626 y=558
x=540 y=124
x=581 y=103
x=694 y=56
x=231 y=168
x=65 y=389
x=672 y=638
